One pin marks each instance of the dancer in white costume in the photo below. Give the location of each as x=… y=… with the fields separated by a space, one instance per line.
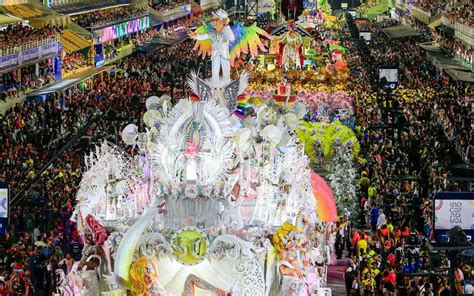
x=220 y=37
x=290 y=274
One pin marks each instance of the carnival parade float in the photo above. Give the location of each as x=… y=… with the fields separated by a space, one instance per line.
x=215 y=198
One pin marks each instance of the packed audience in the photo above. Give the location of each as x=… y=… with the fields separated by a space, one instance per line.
x=456 y=48
x=106 y=17
x=73 y=61
x=12 y=86
x=462 y=13
x=113 y=47
x=431 y=6
x=44 y=240
x=416 y=74
x=19 y=34
x=456 y=117
x=407 y=162
x=162 y=6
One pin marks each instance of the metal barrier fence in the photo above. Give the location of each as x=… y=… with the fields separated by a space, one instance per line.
x=26 y=46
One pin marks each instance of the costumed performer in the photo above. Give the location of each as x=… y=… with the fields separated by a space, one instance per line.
x=224 y=43
x=290 y=54
x=144 y=279
x=95 y=257
x=290 y=276
x=220 y=36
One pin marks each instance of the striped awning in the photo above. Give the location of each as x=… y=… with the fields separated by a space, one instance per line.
x=52 y=20
x=7 y=19
x=73 y=42
x=22 y=11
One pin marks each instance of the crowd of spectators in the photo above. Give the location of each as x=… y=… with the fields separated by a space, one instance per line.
x=382 y=259
x=456 y=48
x=455 y=116
x=18 y=34
x=162 y=6
x=113 y=47
x=462 y=13
x=416 y=74
x=73 y=61
x=408 y=159
x=40 y=238
x=12 y=85
x=106 y=17
x=431 y=6
x=181 y=24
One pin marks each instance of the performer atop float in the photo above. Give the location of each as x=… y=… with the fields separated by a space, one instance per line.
x=224 y=43
x=220 y=37
x=290 y=51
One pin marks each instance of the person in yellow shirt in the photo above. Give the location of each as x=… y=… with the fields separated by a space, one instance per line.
x=368 y=284
x=361 y=245
x=390 y=227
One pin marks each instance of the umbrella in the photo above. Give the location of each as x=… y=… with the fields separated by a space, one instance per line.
x=326 y=204
x=40 y=244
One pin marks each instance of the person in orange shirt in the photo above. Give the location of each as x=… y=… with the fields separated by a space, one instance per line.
x=354 y=240
x=384 y=233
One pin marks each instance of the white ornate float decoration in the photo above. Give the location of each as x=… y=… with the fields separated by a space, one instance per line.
x=206 y=203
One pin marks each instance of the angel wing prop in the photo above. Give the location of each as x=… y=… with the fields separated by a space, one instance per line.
x=199 y=87
x=247 y=40
x=234 y=89
x=204 y=46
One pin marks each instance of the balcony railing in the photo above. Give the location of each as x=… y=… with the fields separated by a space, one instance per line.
x=464 y=29
x=26 y=46
x=461 y=31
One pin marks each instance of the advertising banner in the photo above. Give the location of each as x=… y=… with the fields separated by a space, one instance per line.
x=451 y=209
x=454 y=212
x=9 y=61
x=121 y=30
x=30 y=55
x=4 y=200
